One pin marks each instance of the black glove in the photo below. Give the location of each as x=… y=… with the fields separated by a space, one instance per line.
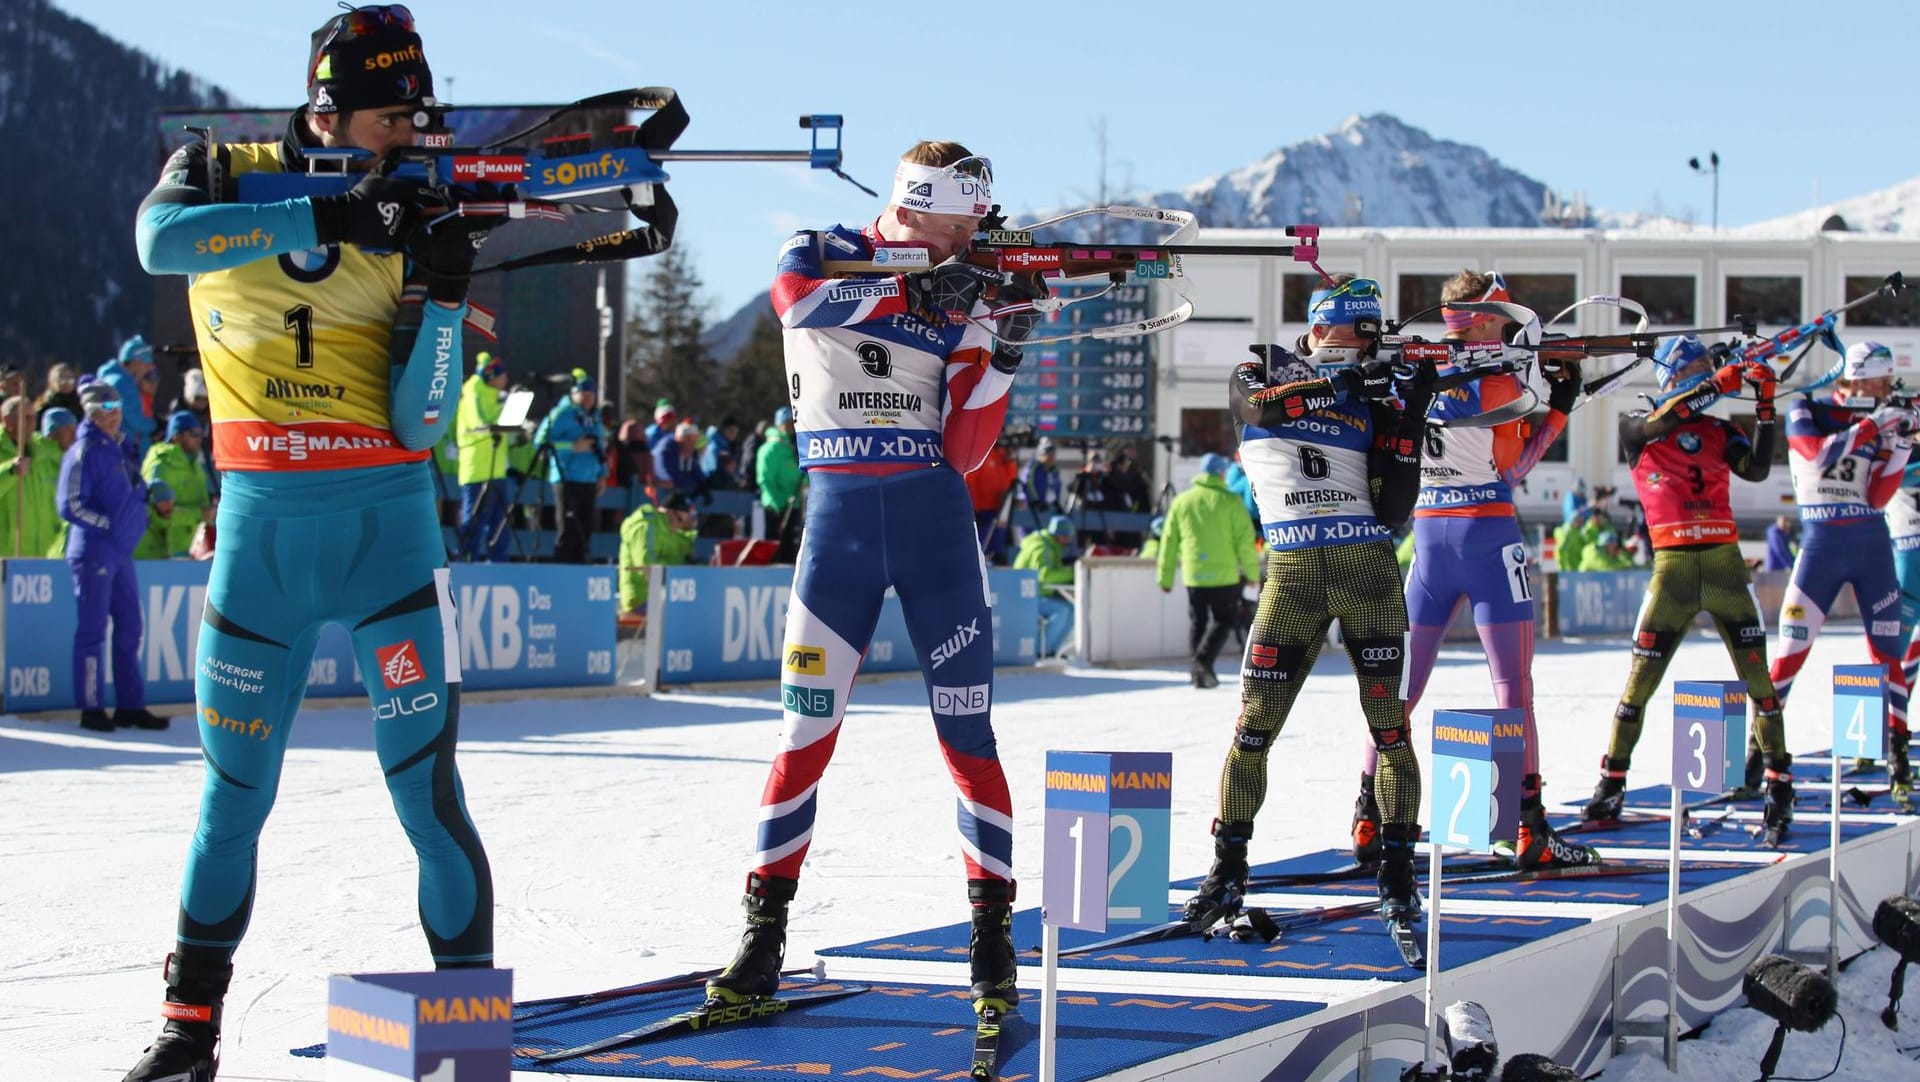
x=379 y=214
x=949 y=287
x=1013 y=330
x=443 y=255
x=1368 y=381
x=1563 y=389
x=1416 y=389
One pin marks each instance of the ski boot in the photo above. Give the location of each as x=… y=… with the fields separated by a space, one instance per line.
x=188 y=1048
x=1899 y=772
x=1541 y=846
x=1226 y=883
x=1778 y=812
x=990 y=951
x=1610 y=795
x=140 y=719
x=1366 y=824
x=754 y=972
x=1399 y=900
x=1202 y=674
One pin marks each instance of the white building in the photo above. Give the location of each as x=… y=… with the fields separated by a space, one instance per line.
x=1683 y=279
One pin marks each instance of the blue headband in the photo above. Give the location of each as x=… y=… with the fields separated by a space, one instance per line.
x=1341 y=307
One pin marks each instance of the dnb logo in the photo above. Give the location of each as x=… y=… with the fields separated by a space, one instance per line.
x=399 y=665
x=806 y=661
x=807 y=702
x=875 y=359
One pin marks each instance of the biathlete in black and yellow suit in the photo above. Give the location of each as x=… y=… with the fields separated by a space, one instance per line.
x=332 y=370
x=1335 y=467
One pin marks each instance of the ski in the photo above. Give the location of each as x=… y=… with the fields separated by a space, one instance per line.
x=561 y=1004
x=986 y=1045
x=1701 y=827
x=1201 y=926
x=709 y=1015
x=1349 y=872
x=1407 y=938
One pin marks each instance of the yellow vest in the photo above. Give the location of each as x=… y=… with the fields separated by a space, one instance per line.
x=295 y=349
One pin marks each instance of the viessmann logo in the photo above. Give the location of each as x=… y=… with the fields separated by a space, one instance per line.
x=501 y=169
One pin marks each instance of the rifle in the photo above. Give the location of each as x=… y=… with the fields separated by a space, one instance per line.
x=567 y=174
x=1015 y=252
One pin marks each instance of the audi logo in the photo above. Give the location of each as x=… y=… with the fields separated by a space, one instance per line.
x=1380 y=653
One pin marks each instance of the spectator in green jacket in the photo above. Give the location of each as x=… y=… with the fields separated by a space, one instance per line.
x=59 y=427
x=1044 y=554
x=156 y=543
x=1210 y=539
x=653 y=536
x=483 y=463
x=176 y=461
x=1571 y=538
x=1605 y=554
x=29 y=481
x=777 y=465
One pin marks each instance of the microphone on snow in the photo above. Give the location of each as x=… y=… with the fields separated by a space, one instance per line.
x=1534 y=1067
x=1794 y=996
x=1897 y=923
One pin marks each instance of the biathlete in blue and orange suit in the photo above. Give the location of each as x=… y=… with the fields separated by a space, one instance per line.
x=332 y=361
x=1335 y=465
x=896 y=395
x=1849 y=454
x=1467 y=547
x=1683 y=461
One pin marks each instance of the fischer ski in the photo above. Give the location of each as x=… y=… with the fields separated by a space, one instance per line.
x=709 y=1015
x=696 y=979
x=1407 y=939
x=1350 y=872
x=1201 y=926
x=986 y=1046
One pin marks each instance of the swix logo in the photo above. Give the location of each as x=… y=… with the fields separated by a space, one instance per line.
x=1263 y=657
x=381 y=61
x=219 y=243
x=399 y=665
x=963 y=636
x=501 y=168
x=567 y=173
x=1032 y=259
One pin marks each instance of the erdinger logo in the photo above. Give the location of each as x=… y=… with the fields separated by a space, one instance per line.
x=399 y=665
x=875 y=360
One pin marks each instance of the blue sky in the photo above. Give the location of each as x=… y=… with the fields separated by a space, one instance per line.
x=1607 y=100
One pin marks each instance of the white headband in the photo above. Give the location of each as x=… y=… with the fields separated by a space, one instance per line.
x=938 y=189
x=1868 y=360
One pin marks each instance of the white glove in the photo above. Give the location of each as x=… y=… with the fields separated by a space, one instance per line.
x=1896 y=420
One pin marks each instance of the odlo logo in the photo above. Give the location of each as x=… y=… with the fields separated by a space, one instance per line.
x=399 y=665
x=396 y=708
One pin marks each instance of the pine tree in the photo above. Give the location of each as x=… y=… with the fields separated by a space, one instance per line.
x=755 y=383
x=665 y=355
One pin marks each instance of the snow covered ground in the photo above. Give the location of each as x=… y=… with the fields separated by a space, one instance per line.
x=620 y=831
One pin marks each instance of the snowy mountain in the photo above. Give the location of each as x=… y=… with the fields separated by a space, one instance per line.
x=77 y=108
x=1890 y=210
x=1372 y=170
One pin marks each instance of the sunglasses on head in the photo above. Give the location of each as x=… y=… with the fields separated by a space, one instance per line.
x=359 y=22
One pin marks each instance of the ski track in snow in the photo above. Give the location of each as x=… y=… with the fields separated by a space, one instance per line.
x=620 y=832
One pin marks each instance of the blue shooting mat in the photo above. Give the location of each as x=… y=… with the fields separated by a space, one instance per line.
x=1812 y=793
x=1357 y=948
x=1645 y=888
x=1731 y=835
x=893 y=1030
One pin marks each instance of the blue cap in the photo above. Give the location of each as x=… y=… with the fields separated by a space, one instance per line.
x=584 y=383
x=1157 y=525
x=56 y=417
x=1215 y=464
x=159 y=492
x=489 y=367
x=783 y=415
x=1060 y=526
x=1675 y=354
x=1345 y=304
x=136 y=349
x=182 y=421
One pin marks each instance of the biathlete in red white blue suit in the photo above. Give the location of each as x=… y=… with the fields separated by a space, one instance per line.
x=1683 y=462
x=1467 y=546
x=896 y=394
x=1848 y=454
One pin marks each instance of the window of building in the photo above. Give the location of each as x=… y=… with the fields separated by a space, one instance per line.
x=1207 y=431
x=1415 y=293
x=1900 y=311
x=1546 y=294
x=1769 y=300
x=1668 y=298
